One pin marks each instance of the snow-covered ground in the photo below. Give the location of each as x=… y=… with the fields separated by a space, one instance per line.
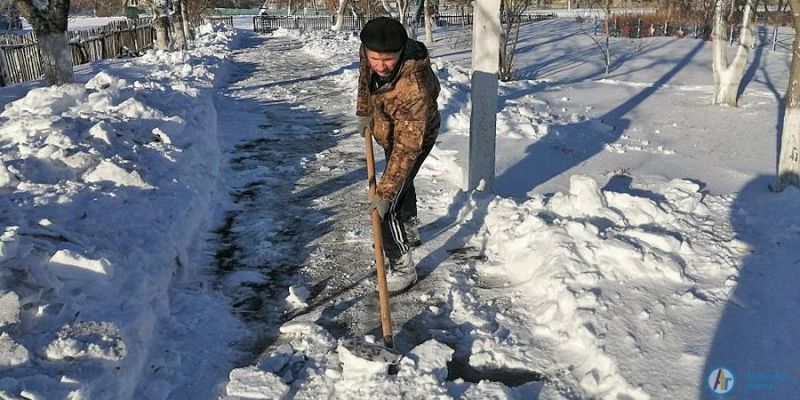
x=632 y=249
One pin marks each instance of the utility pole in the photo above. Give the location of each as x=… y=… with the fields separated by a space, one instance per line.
x=486 y=30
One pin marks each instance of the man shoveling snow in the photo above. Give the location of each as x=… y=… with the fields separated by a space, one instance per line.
x=397 y=92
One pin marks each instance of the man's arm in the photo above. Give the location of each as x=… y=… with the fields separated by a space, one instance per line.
x=410 y=125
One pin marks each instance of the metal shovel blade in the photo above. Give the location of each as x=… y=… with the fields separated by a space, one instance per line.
x=369 y=351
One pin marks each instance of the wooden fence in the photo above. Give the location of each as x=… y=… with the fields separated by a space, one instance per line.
x=268 y=23
x=20 y=60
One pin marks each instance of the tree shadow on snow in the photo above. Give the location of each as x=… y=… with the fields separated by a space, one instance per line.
x=755 y=339
x=567 y=146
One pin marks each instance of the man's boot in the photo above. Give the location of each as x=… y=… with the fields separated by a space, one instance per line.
x=402 y=273
x=411 y=228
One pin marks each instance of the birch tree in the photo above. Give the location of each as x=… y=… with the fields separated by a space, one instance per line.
x=177 y=25
x=337 y=26
x=160 y=21
x=728 y=74
x=428 y=24
x=402 y=9
x=188 y=32
x=789 y=160
x=49 y=22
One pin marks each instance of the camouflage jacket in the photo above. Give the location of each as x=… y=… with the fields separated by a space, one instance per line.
x=405 y=115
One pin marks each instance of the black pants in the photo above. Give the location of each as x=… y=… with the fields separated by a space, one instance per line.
x=402 y=209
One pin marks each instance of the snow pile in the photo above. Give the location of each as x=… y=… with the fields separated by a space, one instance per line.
x=105 y=183
x=311 y=364
x=577 y=263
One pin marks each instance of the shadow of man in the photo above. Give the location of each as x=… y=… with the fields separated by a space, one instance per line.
x=754 y=353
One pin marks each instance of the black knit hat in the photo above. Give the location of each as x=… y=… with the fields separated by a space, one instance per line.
x=384 y=35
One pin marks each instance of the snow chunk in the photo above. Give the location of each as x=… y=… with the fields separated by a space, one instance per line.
x=8 y=243
x=7 y=179
x=108 y=171
x=357 y=368
x=252 y=383
x=584 y=199
x=431 y=358
x=135 y=109
x=47 y=101
x=104 y=80
x=67 y=264
x=88 y=340
x=12 y=354
x=9 y=309
x=102 y=131
x=297 y=296
x=161 y=136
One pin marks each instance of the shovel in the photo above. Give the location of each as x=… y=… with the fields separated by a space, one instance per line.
x=362 y=348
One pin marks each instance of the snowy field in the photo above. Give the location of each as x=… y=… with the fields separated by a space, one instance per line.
x=191 y=225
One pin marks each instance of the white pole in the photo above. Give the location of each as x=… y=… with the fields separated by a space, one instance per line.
x=483 y=118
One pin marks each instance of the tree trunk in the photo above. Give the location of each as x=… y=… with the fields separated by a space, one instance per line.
x=162 y=32
x=339 y=16
x=188 y=32
x=50 y=27
x=386 y=7
x=789 y=161
x=177 y=25
x=56 y=57
x=728 y=77
x=428 y=25
x=402 y=7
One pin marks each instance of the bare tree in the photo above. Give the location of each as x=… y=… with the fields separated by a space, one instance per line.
x=49 y=22
x=177 y=25
x=337 y=26
x=188 y=32
x=789 y=161
x=511 y=14
x=159 y=9
x=428 y=24
x=728 y=74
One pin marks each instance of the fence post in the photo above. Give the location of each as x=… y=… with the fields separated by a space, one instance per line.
x=639 y=28
x=4 y=76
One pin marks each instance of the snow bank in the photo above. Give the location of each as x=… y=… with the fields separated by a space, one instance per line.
x=105 y=184
x=580 y=264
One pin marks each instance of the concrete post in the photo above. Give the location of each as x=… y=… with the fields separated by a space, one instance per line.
x=485 y=57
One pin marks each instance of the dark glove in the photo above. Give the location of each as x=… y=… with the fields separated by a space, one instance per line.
x=378 y=203
x=363 y=124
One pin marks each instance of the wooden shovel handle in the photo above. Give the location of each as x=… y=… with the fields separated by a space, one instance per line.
x=380 y=268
